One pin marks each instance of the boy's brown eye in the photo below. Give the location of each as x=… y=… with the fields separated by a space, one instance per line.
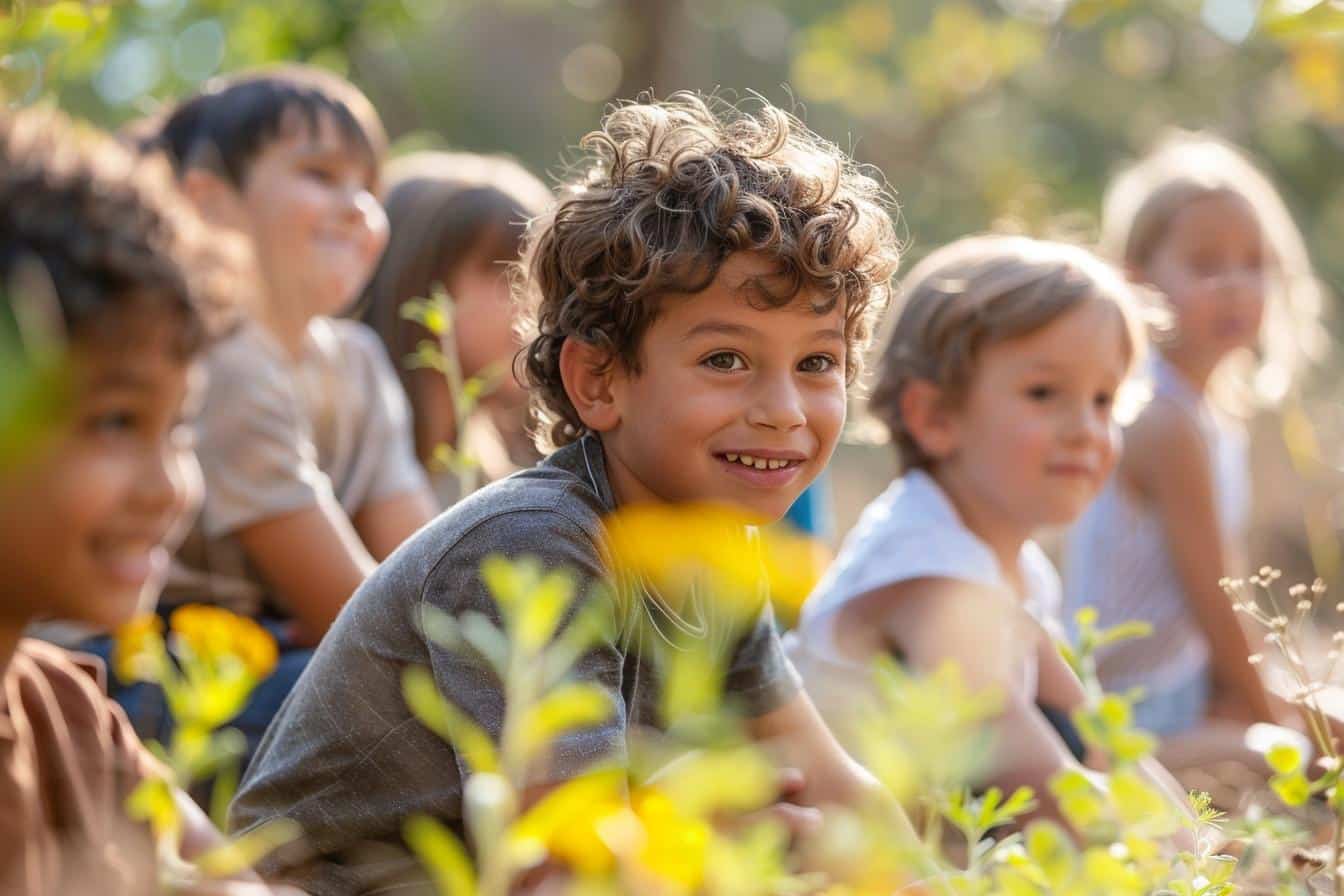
x=725 y=361
x=817 y=364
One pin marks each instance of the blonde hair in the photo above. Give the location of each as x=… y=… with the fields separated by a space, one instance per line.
x=977 y=292
x=1139 y=207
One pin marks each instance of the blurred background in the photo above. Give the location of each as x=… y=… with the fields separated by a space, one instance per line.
x=1006 y=114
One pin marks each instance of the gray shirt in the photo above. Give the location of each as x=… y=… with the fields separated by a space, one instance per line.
x=346 y=759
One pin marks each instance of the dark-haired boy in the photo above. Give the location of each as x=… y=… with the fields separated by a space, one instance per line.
x=92 y=242
x=304 y=435
x=699 y=307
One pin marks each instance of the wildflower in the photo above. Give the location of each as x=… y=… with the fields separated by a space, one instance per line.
x=1304 y=605
x=1297 y=590
x=213 y=634
x=1279 y=623
x=673 y=548
x=1318 y=587
x=137 y=649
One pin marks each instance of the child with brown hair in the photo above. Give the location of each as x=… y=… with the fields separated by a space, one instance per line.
x=95 y=244
x=699 y=299
x=457 y=222
x=303 y=437
x=997 y=385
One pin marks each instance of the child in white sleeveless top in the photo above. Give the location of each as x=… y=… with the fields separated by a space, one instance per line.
x=1197 y=221
x=997 y=384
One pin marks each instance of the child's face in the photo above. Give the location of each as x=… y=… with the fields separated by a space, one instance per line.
x=1210 y=266
x=720 y=382
x=483 y=324
x=316 y=228
x=1034 y=438
x=89 y=527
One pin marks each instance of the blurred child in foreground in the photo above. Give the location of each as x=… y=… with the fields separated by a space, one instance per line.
x=105 y=283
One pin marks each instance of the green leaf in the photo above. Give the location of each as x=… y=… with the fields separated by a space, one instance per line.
x=442 y=854
x=447 y=721
x=539 y=611
x=243 y=852
x=567 y=708
x=1050 y=849
x=152 y=802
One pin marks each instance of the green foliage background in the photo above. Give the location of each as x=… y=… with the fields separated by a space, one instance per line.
x=980 y=113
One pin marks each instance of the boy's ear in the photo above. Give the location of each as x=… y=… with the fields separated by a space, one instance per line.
x=929 y=419
x=588 y=373
x=215 y=198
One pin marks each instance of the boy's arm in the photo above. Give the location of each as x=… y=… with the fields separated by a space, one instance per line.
x=1059 y=687
x=933 y=621
x=385 y=523
x=1166 y=459
x=314 y=560
x=798 y=738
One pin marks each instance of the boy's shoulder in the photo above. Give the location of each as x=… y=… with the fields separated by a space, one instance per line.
x=553 y=511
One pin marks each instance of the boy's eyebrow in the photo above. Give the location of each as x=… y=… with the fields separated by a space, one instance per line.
x=726 y=328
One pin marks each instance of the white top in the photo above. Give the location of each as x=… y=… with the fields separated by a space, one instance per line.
x=1118 y=559
x=913 y=531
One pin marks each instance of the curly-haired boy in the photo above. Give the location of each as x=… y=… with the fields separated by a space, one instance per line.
x=699 y=301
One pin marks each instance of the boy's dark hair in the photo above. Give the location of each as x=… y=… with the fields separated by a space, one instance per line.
x=672 y=189
x=102 y=234
x=225 y=126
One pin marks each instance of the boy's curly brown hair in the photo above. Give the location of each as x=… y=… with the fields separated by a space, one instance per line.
x=104 y=234
x=670 y=190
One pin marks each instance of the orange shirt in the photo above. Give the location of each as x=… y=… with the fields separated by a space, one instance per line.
x=68 y=760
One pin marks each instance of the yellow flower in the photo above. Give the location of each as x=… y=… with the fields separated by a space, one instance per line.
x=675 y=845
x=213 y=633
x=587 y=823
x=673 y=546
x=137 y=649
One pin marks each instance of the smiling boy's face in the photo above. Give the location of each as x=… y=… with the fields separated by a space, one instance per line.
x=732 y=403
x=89 y=527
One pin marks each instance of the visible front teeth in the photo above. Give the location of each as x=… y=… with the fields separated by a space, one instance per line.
x=760 y=463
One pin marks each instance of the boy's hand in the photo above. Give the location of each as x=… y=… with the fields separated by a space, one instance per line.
x=799 y=820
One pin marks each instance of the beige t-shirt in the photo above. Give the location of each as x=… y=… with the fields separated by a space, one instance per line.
x=276 y=435
x=68 y=761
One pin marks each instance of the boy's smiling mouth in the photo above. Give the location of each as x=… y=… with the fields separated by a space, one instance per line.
x=764 y=468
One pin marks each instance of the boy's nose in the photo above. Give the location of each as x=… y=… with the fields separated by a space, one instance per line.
x=777 y=405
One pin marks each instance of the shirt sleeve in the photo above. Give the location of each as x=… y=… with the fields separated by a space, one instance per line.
x=457 y=587
x=760 y=675
x=388 y=437
x=255 y=448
